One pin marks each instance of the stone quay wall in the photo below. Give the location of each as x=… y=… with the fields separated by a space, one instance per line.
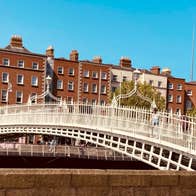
x=91 y=182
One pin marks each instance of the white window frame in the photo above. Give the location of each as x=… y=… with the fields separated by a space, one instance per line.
x=178 y=111
x=32 y=81
x=71 y=71
x=103 y=75
x=124 y=78
x=103 y=89
x=7 y=77
x=170 y=98
x=94 y=101
x=4 y=96
x=86 y=74
x=69 y=100
x=115 y=78
x=60 y=70
x=170 y=86
x=85 y=87
x=8 y=60
x=95 y=74
x=19 y=63
x=159 y=84
x=94 y=88
x=35 y=65
x=179 y=87
x=22 y=79
x=113 y=88
x=151 y=82
x=59 y=84
x=178 y=99
x=70 y=84
x=20 y=97
x=189 y=92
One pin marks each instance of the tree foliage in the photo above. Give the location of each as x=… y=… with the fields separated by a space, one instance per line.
x=191 y=112
x=146 y=90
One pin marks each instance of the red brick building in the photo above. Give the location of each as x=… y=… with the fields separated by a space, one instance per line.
x=176 y=95
x=22 y=73
x=94 y=82
x=79 y=81
x=190 y=95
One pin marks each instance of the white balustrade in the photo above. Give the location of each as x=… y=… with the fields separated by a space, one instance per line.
x=173 y=130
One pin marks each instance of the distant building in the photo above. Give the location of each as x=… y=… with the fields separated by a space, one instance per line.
x=175 y=93
x=155 y=79
x=190 y=95
x=22 y=73
x=122 y=72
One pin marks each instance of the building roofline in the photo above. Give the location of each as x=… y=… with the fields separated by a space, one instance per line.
x=91 y=62
x=64 y=59
x=122 y=68
x=22 y=52
x=172 y=77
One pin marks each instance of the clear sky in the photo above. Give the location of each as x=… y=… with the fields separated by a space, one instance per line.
x=150 y=32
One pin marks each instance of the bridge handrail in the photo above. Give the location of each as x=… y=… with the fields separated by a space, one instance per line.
x=188 y=123
x=104 y=123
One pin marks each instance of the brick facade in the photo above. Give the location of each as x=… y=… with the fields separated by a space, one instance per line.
x=176 y=95
x=190 y=95
x=23 y=74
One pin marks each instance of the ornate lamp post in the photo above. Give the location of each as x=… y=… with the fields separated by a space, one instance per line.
x=46 y=93
x=136 y=74
x=48 y=82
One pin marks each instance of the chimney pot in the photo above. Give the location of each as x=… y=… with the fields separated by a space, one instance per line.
x=155 y=70
x=97 y=59
x=16 y=41
x=74 y=55
x=166 y=72
x=125 y=62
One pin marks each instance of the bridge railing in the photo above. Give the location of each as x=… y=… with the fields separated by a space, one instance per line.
x=176 y=129
x=17 y=149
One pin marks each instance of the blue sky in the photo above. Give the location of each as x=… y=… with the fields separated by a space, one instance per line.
x=150 y=32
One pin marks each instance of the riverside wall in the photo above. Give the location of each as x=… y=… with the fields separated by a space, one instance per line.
x=92 y=182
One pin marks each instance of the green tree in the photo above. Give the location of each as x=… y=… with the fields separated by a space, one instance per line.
x=145 y=89
x=191 y=112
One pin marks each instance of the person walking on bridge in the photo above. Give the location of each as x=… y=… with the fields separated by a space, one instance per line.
x=154 y=119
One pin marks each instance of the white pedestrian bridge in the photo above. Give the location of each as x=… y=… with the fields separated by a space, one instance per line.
x=169 y=145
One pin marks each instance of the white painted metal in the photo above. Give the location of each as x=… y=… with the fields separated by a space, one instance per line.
x=107 y=126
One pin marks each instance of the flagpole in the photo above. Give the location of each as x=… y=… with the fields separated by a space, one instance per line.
x=193 y=50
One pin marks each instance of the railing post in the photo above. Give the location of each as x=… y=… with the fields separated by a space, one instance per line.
x=31 y=149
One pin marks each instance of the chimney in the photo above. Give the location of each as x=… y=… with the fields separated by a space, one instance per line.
x=16 y=41
x=125 y=62
x=50 y=52
x=74 y=55
x=166 y=72
x=97 y=59
x=155 y=70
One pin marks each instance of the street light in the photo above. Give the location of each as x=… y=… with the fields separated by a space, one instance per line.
x=136 y=74
x=48 y=82
x=44 y=94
